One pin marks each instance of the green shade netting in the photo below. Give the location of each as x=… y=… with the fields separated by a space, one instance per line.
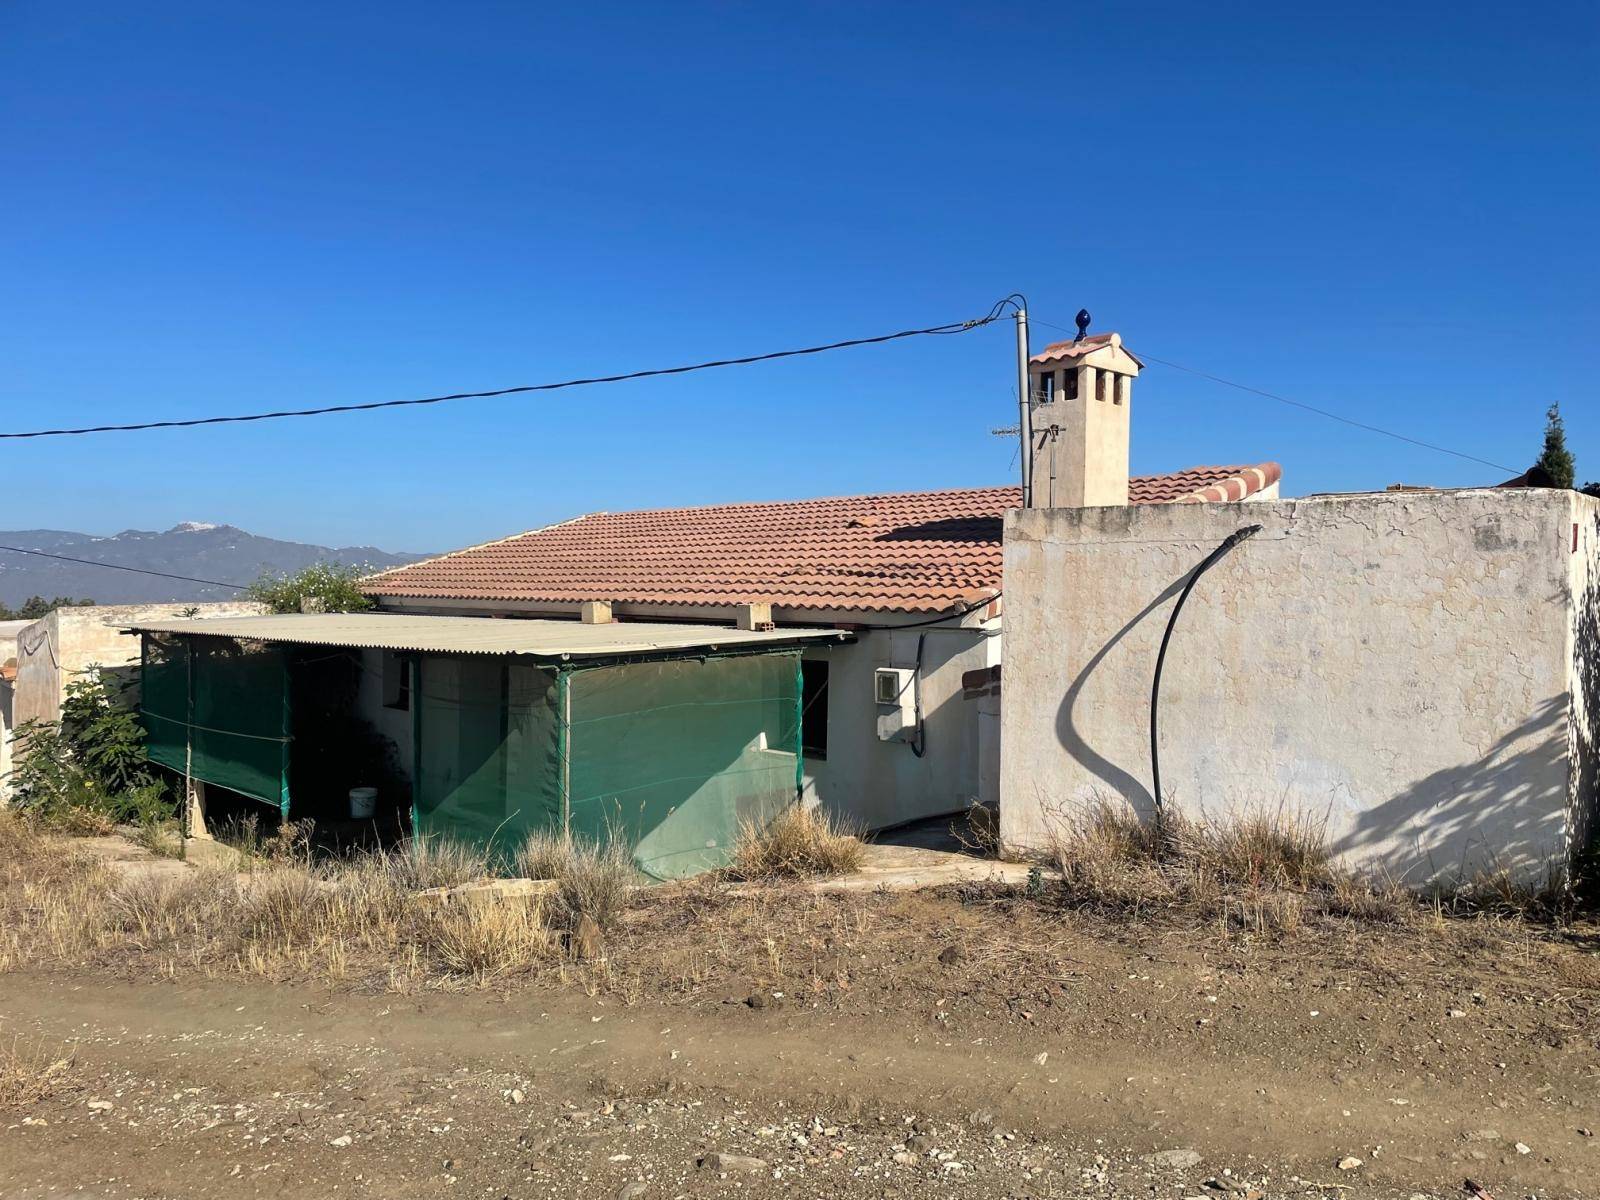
x=674 y=756
x=487 y=763
x=218 y=709
x=671 y=757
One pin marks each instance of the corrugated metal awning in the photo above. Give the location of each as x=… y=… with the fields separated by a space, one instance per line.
x=488 y=635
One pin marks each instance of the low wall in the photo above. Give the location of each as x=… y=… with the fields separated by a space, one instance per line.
x=1418 y=669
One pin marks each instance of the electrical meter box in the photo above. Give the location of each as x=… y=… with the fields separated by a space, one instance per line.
x=894 y=689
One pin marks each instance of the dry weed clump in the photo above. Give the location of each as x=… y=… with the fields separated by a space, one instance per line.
x=282 y=918
x=591 y=879
x=799 y=843
x=35 y=1074
x=1263 y=870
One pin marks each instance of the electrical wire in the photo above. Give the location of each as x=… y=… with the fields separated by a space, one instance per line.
x=89 y=562
x=934 y=330
x=1311 y=408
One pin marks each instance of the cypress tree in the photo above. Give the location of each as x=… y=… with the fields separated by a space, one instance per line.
x=1555 y=458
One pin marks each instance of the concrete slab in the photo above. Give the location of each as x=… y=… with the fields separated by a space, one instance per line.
x=900 y=868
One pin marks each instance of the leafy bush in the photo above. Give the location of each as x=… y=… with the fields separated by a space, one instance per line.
x=89 y=771
x=335 y=587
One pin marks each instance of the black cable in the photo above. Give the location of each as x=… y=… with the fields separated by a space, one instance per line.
x=1227 y=544
x=955 y=327
x=89 y=562
x=955 y=616
x=1321 y=412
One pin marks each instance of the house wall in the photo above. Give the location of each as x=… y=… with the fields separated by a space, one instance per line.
x=394 y=723
x=883 y=783
x=1405 y=666
x=59 y=647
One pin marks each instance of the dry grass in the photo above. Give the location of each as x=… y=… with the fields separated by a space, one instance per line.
x=30 y=1075
x=1266 y=869
x=592 y=880
x=799 y=843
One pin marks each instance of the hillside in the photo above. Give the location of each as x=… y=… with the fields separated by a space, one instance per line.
x=202 y=551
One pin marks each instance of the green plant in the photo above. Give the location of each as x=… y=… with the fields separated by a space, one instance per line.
x=1555 y=458
x=35 y=607
x=89 y=770
x=331 y=587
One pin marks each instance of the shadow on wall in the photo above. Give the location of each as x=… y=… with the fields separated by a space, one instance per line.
x=1118 y=778
x=1506 y=809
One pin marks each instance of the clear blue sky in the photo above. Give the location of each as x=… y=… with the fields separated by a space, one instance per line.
x=1387 y=210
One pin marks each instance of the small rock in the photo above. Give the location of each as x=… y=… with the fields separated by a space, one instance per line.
x=732 y=1164
x=344 y=1139
x=1176 y=1159
x=1582 y=1132
x=1458 y=1012
x=1349 y=1163
x=952 y=954
x=631 y=1191
x=1521 y=1148
x=920 y=1144
x=758 y=1000
x=905 y=1158
x=983 y=1118
x=1482 y=1135
x=517 y=1096
x=101 y=1105
x=1041 y=1058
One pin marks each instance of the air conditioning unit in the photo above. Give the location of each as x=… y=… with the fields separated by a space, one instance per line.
x=894 y=689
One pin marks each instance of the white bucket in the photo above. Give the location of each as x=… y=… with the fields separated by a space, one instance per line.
x=363 y=803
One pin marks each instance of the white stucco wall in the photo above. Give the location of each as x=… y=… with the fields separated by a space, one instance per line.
x=62 y=645
x=876 y=783
x=1403 y=665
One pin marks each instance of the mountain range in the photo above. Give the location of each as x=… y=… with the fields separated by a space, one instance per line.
x=221 y=553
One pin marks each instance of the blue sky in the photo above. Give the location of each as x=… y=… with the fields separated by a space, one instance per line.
x=1387 y=210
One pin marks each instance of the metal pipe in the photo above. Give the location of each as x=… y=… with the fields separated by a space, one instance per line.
x=1024 y=408
x=1228 y=543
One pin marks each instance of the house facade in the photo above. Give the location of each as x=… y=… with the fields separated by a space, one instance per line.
x=901 y=723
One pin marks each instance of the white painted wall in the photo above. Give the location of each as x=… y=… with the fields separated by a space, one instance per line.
x=1405 y=665
x=62 y=645
x=876 y=783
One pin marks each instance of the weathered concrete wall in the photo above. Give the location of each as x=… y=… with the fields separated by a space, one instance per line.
x=882 y=783
x=1403 y=665
x=61 y=646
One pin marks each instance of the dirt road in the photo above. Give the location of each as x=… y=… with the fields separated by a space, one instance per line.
x=223 y=1088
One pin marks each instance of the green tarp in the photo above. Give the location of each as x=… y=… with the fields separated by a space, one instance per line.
x=669 y=756
x=218 y=710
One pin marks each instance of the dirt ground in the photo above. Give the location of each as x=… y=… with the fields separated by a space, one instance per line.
x=971 y=1042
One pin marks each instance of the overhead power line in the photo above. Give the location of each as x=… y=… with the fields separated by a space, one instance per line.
x=1321 y=412
x=89 y=562
x=994 y=314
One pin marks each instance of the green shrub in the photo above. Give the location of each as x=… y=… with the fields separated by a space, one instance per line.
x=336 y=587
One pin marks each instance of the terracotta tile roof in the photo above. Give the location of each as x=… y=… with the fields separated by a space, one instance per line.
x=1073 y=348
x=906 y=552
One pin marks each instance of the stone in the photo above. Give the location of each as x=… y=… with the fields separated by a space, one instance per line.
x=905 y=1158
x=344 y=1139
x=631 y=1191
x=1349 y=1163
x=920 y=1143
x=101 y=1105
x=483 y=892
x=1523 y=1149
x=758 y=1000
x=732 y=1164
x=1482 y=1135
x=1175 y=1159
x=952 y=954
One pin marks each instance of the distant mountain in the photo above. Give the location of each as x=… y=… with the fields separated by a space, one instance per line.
x=195 y=549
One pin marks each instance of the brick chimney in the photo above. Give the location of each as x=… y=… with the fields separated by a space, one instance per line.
x=1082 y=400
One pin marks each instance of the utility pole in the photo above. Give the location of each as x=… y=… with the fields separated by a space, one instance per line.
x=1025 y=408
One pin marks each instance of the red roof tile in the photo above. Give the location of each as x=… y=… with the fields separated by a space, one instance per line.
x=905 y=552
